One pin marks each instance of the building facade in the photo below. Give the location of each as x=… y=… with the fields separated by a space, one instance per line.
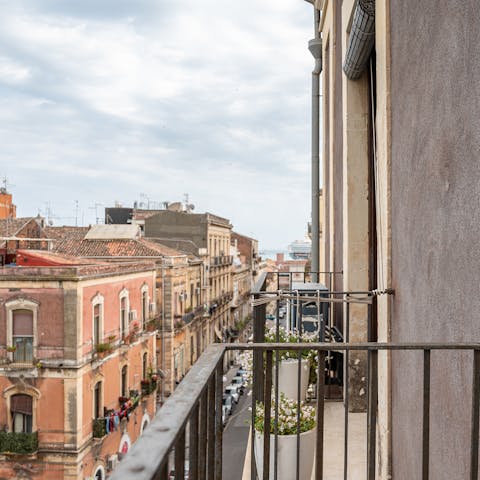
x=400 y=208
x=77 y=365
x=208 y=237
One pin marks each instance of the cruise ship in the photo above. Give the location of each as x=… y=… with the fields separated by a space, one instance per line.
x=300 y=249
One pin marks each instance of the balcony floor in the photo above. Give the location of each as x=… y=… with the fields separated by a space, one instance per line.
x=333 y=444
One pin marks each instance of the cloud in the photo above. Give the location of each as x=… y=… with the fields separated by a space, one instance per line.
x=104 y=100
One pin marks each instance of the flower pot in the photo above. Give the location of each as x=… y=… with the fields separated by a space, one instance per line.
x=288 y=378
x=287 y=455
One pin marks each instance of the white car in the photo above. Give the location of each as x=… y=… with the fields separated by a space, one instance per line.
x=233 y=391
x=239 y=382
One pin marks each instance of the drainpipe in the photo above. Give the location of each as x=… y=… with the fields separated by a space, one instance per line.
x=315 y=47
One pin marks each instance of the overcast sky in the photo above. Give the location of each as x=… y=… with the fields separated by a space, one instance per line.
x=123 y=100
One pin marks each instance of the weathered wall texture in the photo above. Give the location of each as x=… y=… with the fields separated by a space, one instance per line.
x=435 y=224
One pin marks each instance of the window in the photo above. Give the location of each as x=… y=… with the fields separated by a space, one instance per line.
x=123 y=316
x=21 y=407
x=124 y=385
x=96 y=324
x=144 y=365
x=144 y=307
x=22 y=335
x=97 y=400
x=99 y=473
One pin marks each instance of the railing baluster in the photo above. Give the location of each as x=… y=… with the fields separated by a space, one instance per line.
x=202 y=444
x=426 y=415
x=277 y=367
x=320 y=414
x=475 y=415
x=267 y=417
x=253 y=467
x=218 y=420
x=180 y=456
x=372 y=412
x=193 y=443
x=211 y=430
x=162 y=473
x=299 y=384
x=345 y=390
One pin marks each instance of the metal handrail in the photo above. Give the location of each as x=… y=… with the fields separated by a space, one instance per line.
x=197 y=403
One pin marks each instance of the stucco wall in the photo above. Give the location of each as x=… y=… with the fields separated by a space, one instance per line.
x=435 y=224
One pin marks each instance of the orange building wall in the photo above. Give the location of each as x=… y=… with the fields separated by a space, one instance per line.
x=7 y=209
x=111 y=313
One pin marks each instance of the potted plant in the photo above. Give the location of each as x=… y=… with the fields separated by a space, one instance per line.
x=288 y=366
x=287 y=439
x=103 y=349
x=11 y=348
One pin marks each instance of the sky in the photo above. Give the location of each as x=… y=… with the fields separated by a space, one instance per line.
x=105 y=101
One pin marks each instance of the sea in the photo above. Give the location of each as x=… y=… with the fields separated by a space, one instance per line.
x=272 y=254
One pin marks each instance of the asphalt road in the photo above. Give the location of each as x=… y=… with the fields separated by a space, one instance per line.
x=235 y=438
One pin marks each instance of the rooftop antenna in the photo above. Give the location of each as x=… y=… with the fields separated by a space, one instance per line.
x=95 y=207
x=5 y=183
x=76 y=213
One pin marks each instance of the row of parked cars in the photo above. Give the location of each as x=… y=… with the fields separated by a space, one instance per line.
x=232 y=393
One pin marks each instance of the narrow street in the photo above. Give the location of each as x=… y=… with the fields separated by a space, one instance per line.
x=235 y=436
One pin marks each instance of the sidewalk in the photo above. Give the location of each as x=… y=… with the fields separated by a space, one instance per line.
x=333 y=444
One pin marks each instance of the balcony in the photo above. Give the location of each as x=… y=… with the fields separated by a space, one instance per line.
x=188 y=428
x=20 y=443
x=221 y=260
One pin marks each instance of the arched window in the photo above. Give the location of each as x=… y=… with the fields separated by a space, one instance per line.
x=99 y=473
x=21 y=407
x=124 y=380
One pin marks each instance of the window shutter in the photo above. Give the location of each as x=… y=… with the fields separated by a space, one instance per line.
x=22 y=323
x=21 y=404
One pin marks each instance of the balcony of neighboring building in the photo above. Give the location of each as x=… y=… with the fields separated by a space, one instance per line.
x=221 y=260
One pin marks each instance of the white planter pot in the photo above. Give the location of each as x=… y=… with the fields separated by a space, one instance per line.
x=287 y=455
x=288 y=378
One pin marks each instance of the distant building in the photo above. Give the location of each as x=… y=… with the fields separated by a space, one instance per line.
x=7 y=208
x=18 y=233
x=182 y=317
x=77 y=364
x=209 y=237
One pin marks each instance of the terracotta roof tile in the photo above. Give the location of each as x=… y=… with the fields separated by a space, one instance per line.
x=9 y=227
x=112 y=248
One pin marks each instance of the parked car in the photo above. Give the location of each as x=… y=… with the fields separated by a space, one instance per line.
x=227 y=404
x=240 y=382
x=233 y=391
x=241 y=372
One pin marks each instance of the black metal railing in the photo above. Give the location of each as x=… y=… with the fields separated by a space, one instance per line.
x=196 y=407
x=189 y=425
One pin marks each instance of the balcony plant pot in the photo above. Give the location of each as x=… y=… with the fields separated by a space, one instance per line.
x=287 y=455
x=287 y=438
x=288 y=378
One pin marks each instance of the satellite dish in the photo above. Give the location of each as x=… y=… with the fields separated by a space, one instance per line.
x=191 y=206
